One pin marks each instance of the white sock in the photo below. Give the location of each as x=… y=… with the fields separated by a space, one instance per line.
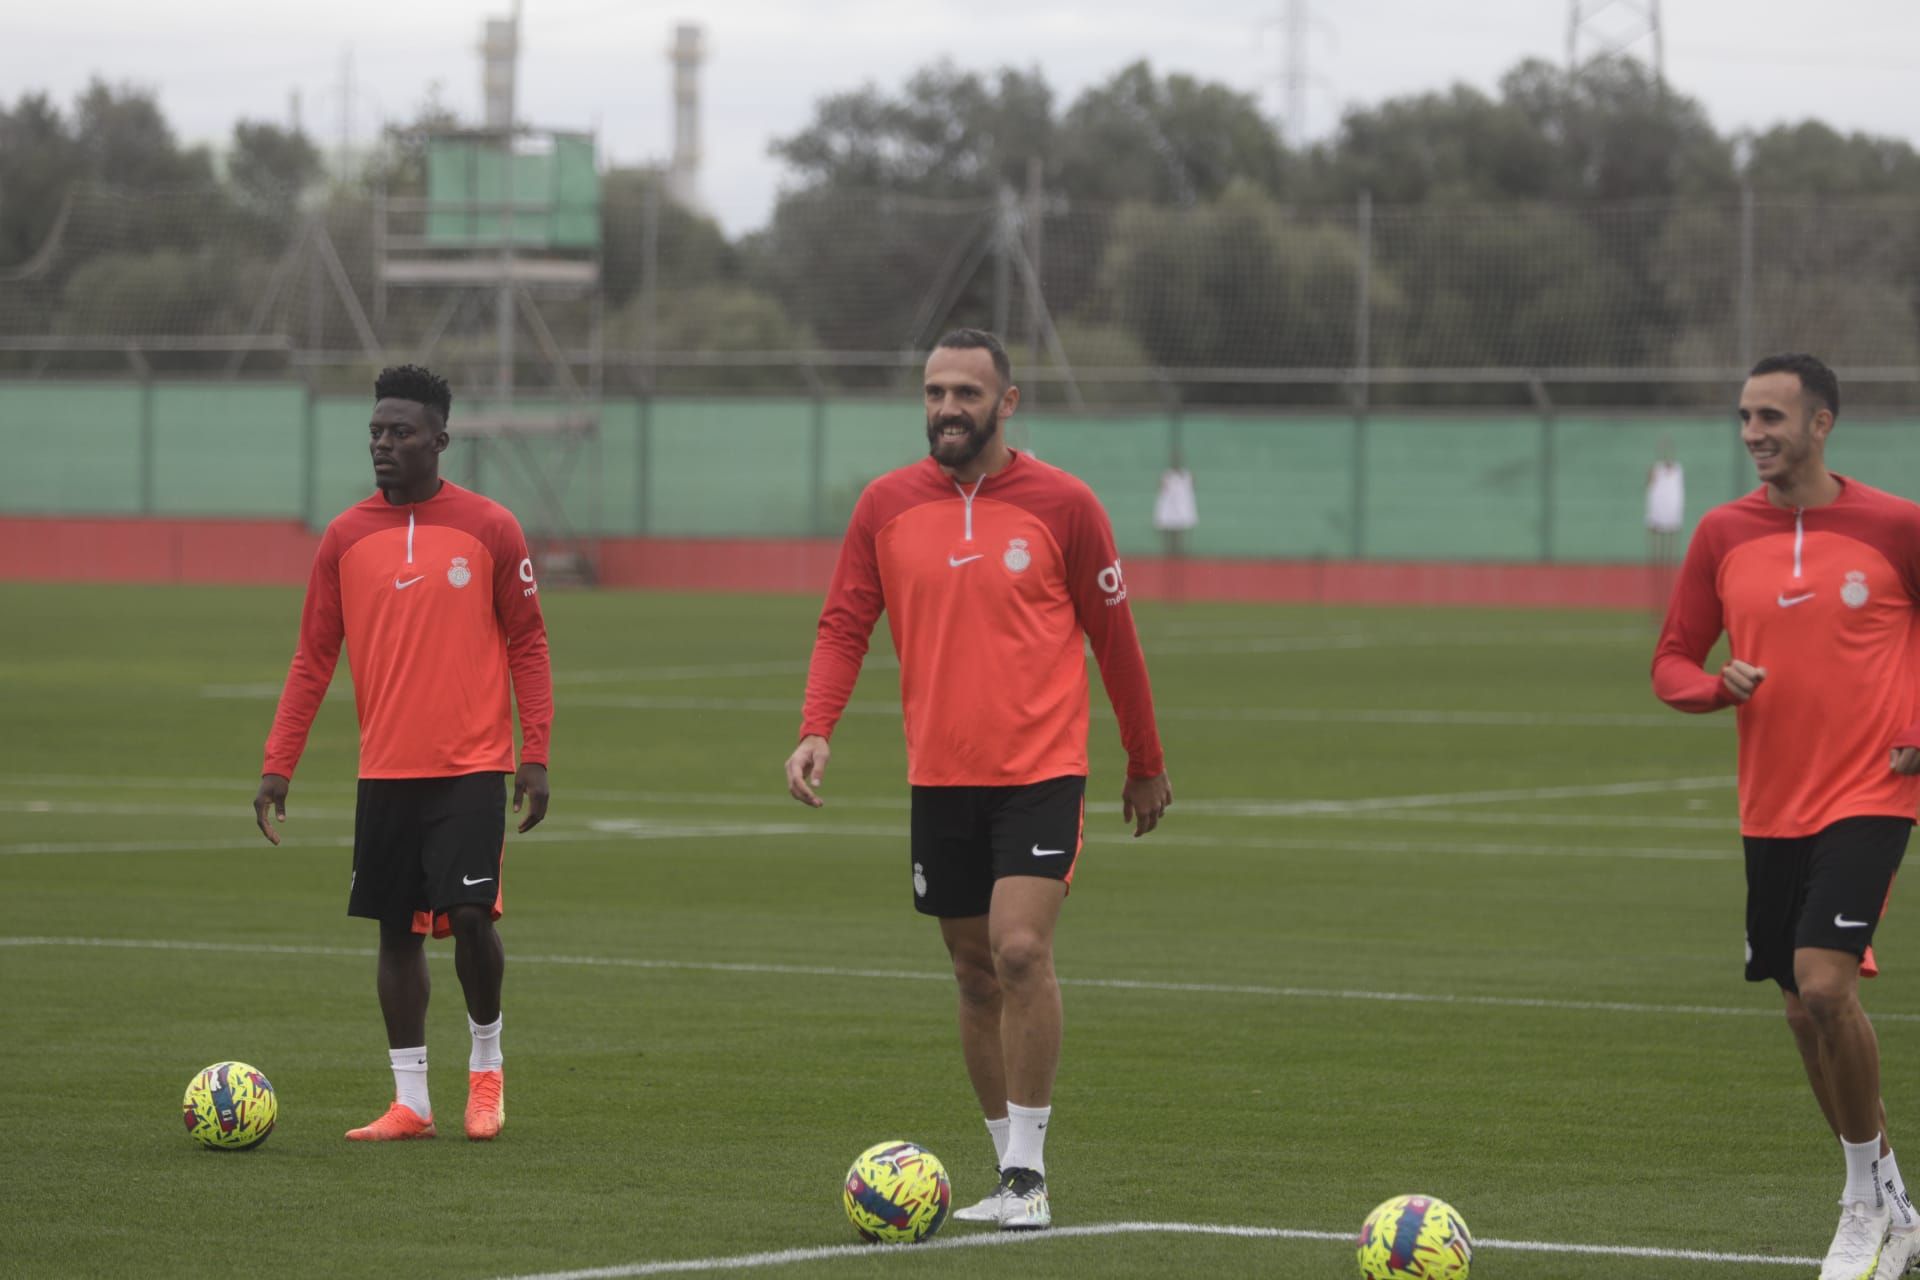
x=1027 y=1138
x=1863 y=1173
x=486 y=1046
x=410 y=1079
x=998 y=1130
x=1896 y=1193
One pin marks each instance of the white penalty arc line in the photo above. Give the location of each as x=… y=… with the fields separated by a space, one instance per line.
x=916 y=975
x=821 y=1253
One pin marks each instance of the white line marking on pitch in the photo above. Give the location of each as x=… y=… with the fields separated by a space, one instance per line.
x=149 y=809
x=611 y=829
x=738 y=800
x=708 y=671
x=1223 y=647
x=653 y=829
x=1508 y=818
x=864 y=1252
x=1401 y=640
x=912 y=975
x=1406 y=717
x=1447 y=718
x=1256 y=806
x=1297 y=808
x=1310 y=844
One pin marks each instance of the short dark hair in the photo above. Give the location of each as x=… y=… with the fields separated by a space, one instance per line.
x=411 y=382
x=1815 y=378
x=980 y=339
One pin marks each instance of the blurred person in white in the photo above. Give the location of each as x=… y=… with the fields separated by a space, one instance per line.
x=1175 y=514
x=1666 y=513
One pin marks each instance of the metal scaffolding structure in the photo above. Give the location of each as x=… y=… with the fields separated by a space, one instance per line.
x=504 y=234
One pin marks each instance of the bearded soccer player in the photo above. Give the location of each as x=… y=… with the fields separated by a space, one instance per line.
x=1815 y=579
x=432 y=589
x=991 y=566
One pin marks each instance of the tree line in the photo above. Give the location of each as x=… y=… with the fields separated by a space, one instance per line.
x=1153 y=220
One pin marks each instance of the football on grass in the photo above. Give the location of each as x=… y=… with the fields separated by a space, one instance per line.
x=230 y=1107
x=896 y=1193
x=1415 y=1238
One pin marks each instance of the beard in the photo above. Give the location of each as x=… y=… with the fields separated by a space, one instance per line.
x=1791 y=459
x=961 y=451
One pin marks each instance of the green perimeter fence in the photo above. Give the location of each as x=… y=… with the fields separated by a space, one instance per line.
x=1493 y=486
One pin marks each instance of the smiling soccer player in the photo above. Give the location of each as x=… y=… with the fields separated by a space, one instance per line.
x=994 y=570
x=1815 y=578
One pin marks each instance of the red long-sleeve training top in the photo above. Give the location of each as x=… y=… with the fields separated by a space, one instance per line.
x=987 y=591
x=437 y=605
x=1824 y=599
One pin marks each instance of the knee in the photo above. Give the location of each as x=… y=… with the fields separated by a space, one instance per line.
x=1022 y=958
x=979 y=984
x=1827 y=1002
x=1800 y=1022
x=469 y=923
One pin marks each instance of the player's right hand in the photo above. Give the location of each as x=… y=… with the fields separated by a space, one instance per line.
x=1741 y=679
x=806 y=767
x=272 y=795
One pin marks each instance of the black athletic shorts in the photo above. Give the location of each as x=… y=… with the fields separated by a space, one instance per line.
x=424 y=845
x=1824 y=890
x=965 y=838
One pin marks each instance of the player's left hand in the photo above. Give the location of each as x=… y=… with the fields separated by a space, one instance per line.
x=531 y=784
x=1906 y=760
x=270 y=799
x=1143 y=800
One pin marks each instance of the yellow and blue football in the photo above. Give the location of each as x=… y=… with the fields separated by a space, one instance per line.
x=230 y=1107
x=896 y=1193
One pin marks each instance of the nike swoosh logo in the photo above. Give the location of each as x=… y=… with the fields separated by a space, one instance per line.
x=1787 y=602
x=1841 y=922
x=402 y=586
x=962 y=560
x=1038 y=852
x=481 y=880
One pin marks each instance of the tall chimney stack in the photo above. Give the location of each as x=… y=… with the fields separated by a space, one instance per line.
x=688 y=51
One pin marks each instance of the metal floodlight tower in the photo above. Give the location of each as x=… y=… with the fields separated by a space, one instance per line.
x=1599 y=29
x=686 y=53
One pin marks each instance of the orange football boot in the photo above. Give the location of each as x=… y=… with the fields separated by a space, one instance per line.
x=486 y=1104
x=399 y=1124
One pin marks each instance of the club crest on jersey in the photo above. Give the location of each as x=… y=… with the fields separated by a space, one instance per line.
x=459 y=575
x=1854 y=594
x=1017 y=559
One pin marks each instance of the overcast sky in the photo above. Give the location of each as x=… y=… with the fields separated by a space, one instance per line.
x=601 y=63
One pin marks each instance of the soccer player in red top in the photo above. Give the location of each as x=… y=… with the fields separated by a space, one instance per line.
x=432 y=590
x=993 y=569
x=1815 y=579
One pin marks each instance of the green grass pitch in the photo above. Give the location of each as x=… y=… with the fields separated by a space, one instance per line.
x=715 y=998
